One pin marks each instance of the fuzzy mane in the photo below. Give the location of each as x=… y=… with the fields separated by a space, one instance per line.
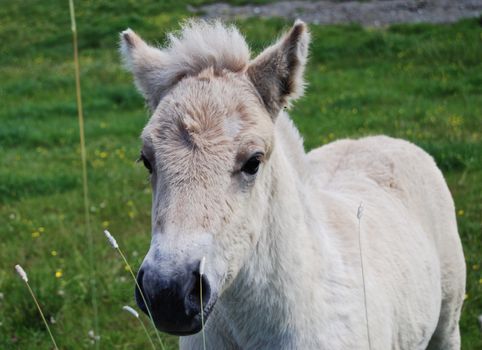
x=197 y=46
x=201 y=44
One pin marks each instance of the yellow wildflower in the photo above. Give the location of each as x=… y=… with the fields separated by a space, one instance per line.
x=461 y=212
x=58 y=273
x=53 y=253
x=455 y=120
x=120 y=153
x=35 y=234
x=105 y=224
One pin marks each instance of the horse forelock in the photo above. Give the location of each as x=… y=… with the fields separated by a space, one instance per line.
x=204 y=44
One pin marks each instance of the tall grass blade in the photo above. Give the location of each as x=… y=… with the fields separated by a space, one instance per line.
x=136 y=315
x=114 y=245
x=24 y=277
x=202 y=264
x=92 y=269
x=359 y=215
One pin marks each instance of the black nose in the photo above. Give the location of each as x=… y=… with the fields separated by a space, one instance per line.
x=174 y=299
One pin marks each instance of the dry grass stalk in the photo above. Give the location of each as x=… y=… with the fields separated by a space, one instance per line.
x=114 y=245
x=83 y=156
x=359 y=215
x=23 y=275
x=202 y=265
x=136 y=315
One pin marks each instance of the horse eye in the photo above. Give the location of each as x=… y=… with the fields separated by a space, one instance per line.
x=252 y=165
x=146 y=162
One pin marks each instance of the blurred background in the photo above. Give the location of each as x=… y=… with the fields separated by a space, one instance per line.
x=409 y=69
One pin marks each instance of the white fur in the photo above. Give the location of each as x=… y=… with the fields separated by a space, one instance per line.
x=282 y=250
x=301 y=287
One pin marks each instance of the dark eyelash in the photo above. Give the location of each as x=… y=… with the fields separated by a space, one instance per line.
x=142 y=158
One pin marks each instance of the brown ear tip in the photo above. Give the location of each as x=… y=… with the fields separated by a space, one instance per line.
x=128 y=36
x=299 y=29
x=300 y=26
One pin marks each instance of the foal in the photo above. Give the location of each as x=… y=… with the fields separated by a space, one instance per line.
x=278 y=227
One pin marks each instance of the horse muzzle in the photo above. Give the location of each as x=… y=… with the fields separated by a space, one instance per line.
x=174 y=300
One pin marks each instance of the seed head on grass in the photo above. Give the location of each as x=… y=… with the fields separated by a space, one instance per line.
x=202 y=265
x=359 y=212
x=131 y=311
x=21 y=272
x=23 y=275
x=111 y=239
x=136 y=315
x=114 y=245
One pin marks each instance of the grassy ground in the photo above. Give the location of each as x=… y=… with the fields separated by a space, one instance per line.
x=419 y=82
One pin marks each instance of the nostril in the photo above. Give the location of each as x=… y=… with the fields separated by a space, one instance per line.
x=193 y=298
x=139 y=291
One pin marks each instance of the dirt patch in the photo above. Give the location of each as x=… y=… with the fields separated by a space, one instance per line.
x=369 y=13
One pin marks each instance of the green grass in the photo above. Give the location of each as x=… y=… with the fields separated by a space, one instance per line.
x=419 y=82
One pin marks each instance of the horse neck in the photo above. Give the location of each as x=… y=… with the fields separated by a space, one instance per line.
x=275 y=279
x=292 y=233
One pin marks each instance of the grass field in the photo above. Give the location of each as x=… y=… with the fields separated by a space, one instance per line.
x=418 y=82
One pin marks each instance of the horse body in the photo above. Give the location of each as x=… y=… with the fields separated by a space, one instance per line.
x=302 y=288
x=279 y=227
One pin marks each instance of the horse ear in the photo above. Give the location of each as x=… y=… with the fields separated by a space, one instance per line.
x=145 y=63
x=277 y=73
